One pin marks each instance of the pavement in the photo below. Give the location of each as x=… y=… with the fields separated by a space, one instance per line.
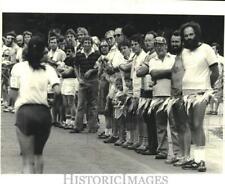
x=84 y=153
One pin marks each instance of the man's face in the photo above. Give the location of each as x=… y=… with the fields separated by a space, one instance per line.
x=80 y=36
x=6 y=55
x=53 y=44
x=87 y=44
x=69 y=53
x=27 y=38
x=149 y=42
x=190 y=39
x=118 y=35
x=125 y=50
x=19 y=40
x=110 y=39
x=176 y=46
x=9 y=40
x=161 y=49
x=70 y=38
x=104 y=47
x=136 y=47
x=215 y=49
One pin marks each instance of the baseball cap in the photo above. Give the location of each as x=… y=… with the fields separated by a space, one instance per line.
x=160 y=40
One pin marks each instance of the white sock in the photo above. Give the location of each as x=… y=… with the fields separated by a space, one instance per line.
x=128 y=136
x=106 y=131
x=110 y=131
x=199 y=154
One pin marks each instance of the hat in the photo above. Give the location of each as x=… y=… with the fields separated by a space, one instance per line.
x=11 y=33
x=160 y=40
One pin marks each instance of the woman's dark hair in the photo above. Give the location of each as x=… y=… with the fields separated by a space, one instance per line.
x=35 y=51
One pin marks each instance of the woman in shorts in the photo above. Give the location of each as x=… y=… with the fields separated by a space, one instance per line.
x=33 y=117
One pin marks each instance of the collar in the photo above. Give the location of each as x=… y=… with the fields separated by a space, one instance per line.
x=87 y=54
x=167 y=55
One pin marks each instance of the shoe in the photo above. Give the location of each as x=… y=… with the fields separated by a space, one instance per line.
x=104 y=136
x=84 y=125
x=111 y=139
x=7 y=109
x=214 y=113
x=209 y=112
x=126 y=144
x=202 y=167
x=191 y=165
x=133 y=146
x=148 y=152
x=75 y=130
x=183 y=161
x=171 y=160
x=141 y=148
x=161 y=156
x=119 y=142
x=101 y=134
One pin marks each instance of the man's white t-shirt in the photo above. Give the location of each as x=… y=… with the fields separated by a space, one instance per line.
x=33 y=84
x=196 y=64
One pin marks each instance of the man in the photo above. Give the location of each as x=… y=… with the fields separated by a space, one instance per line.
x=113 y=59
x=81 y=33
x=86 y=73
x=214 y=102
x=11 y=45
x=19 y=40
x=118 y=34
x=71 y=38
x=138 y=59
x=160 y=70
x=201 y=73
x=20 y=43
x=146 y=94
x=56 y=57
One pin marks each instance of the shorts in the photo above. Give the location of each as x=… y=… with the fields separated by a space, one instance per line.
x=35 y=120
x=69 y=87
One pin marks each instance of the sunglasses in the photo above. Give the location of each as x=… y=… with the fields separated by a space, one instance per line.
x=117 y=35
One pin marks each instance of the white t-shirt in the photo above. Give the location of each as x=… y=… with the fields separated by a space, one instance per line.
x=15 y=73
x=196 y=64
x=136 y=81
x=33 y=84
x=163 y=86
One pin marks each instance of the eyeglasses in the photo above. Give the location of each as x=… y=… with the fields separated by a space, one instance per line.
x=117 y=35
x=4 y=55
x=109 y=38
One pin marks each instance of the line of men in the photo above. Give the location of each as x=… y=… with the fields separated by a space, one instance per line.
x=153 y=101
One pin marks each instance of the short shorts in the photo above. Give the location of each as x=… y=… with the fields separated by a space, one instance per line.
x=35 y=120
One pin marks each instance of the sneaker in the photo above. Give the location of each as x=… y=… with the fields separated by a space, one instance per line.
x=119 y=142
x=209 y=112
x=104 y=136
x=214 y=113
x=161 y=156
x=202 y=167
x=133 y=146
x=192 y=165
x=183 y=161
x=126 y=144
x=171 y=160
x=111 y=140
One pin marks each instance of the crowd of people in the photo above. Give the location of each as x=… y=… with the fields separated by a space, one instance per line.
x=152 y=90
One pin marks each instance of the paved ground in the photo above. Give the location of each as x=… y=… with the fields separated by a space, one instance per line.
x=84 y=153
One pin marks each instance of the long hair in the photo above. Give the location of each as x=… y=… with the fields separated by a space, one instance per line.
x=35 y=51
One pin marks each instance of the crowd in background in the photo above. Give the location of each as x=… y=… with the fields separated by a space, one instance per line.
x=152 y=90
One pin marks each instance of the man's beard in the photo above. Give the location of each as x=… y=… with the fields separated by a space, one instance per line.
x=191 y=44
x=176 y=50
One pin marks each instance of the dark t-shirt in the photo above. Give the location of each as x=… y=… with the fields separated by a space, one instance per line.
x=84 y=64
x=71 y=74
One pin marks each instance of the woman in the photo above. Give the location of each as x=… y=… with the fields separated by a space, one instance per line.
x=33 y=118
